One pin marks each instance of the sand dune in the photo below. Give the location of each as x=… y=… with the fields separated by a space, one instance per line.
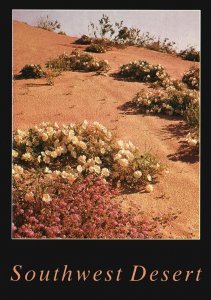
x=77 y=96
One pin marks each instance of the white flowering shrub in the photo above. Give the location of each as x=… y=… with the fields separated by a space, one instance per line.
x=143 y=71
x=192 y=78
x=172 y=101
x=78 y=61
x=74 y=151
x=169 y=101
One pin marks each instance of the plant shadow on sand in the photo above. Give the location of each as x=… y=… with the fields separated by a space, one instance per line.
x=184 y=152
x=36 y=84
x=178 y=130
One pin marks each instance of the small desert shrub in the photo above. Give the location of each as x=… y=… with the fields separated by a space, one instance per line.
x=190 y=54
x=165 y=46
x=84 y=210
x=50 y=75
x=169 y=101
x=77 y=61
x=96 y=48
x=84 y=40
x=192 y=78
x=62 y=33
x=172 y=102
x=48 y=24
x=74 y=151
x=31 y=71
x=143 y=71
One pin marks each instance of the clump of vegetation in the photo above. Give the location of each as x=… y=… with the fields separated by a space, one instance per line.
x=190 y=54
x=165 y=46
x=85 y=209
x=84 y=40
x=30 y=71
x=48 y=24
x=96 y=48
x=143 y=71
x=192 y=78
x=172 y=101
x=62 y=33
x=74 y=151
x=50 y=75
x=169 y=101
x=78 y=61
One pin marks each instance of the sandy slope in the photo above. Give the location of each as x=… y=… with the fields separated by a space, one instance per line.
x=77 y=96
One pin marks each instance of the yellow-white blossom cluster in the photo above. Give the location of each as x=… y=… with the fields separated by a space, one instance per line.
x=169 y=101
x=78 y=61
x=75 y=150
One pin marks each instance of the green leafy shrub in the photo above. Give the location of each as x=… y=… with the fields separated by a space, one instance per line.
x=74 y=151
x=143 y=71
x=48 y=24
x=192 y=78
x=190 y=54
x=78 y=61
x=31 y=71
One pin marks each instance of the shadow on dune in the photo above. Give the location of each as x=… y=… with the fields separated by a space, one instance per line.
x=36 y=84
x=176 y=130
x=184 y=152
x=118 y=77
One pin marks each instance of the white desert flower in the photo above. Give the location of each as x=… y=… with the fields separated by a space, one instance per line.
x=84 y=124
x=14 y=153
x=82 y=145
x=98 y=160
x=27 y=157
x=46 y=198
x=149 y=177
x=82 y=159
x=105 y=172
x=79 y=168
x=123 y=162
x=29 y=196
x=44 y=137
x=137 y=174
x=148 y=188
x=47 y=170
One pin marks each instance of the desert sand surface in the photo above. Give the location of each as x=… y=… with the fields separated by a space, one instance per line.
x=77 y=96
